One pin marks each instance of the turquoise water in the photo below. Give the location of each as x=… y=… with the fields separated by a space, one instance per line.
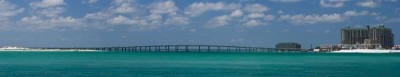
x=203 y=64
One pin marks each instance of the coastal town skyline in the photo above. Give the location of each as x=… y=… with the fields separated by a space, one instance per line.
x=260 y=23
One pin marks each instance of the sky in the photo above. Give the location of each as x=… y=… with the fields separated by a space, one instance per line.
x=256 y=23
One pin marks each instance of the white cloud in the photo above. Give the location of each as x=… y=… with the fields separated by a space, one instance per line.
x=121 y=20
x=110 y=30
x=323 y=18
x=122 y=1
x=253 y=15
x=280 y=12
x=47 y=3
x=253 y=23
x=193 y=30
x=313 y=19
x=154 y=17
x=6 y=24
x=177 y=21
x=199 y=8
x=269 y=17
x=393 y=20
x=391 y=0
x=355 y=13
x=98 y=16
x=332 y=3
x=51 y=11
x=236 y=13
x=143 y=17
x=256 y=8
x=286 y=1
x=92 y=1
x=116 y=9
x=368 y=3
x=7 y=9
x=219 y=21
x=123 y=7
x=255 y=11
x=167 y=7
x=256 y=15
x=35 y=22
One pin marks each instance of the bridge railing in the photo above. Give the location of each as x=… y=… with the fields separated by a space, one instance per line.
x=184 y=48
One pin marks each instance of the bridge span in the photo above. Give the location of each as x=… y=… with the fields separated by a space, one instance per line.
x=186 y=48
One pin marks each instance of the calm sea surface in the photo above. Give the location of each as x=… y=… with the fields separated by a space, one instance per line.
x=202 y=64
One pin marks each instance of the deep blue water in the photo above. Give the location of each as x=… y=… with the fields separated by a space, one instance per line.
x=193 y=64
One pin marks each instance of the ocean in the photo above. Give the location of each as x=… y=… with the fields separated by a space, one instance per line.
x=197 y=64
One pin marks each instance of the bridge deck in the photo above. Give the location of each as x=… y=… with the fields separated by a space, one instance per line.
x=187 y=48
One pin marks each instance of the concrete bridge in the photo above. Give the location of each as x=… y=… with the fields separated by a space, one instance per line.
x=185 y=48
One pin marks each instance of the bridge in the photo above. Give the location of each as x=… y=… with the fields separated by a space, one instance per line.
x=184 y=48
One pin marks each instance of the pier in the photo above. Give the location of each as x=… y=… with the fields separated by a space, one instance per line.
x=183 y=48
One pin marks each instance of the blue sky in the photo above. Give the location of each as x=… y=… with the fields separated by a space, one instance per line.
x=261 y=23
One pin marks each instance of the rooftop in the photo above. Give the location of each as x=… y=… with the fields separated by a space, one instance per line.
x=381 y=26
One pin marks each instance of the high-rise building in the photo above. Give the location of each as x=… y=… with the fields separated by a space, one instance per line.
x=378 y=36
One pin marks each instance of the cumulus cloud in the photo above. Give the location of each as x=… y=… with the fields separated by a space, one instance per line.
x=332 y=3
x=286 y=1
x=5 y=24
x=313 y=19
x=219 y=21
x=253 y=23
x=236 y=13
x=199 y=8
x=7 y=9
x=121 y=20
x=123 y=6
x=51 y=11
x=39 y=23
x=323 y=18
x=256 y=15
x=166 y=7
x=157 y=14
x=193 y=30
x=98 y=16
x=154 y=17
x=252 y=15
x=47 y=3
x=92 y=1
x=391 y=0
x=269 y=17
x=368 y=3
x=256 y=8
x=134 y=22
x=47 y=14
x=177 y=21
x=355 y=13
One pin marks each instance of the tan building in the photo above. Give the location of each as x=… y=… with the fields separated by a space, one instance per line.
x=367 y=37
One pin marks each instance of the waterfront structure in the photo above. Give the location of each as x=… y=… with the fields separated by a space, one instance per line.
x=367 y=37
x=329 y=47
x=179 y=48
x=288 y=45
x=396 y=47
